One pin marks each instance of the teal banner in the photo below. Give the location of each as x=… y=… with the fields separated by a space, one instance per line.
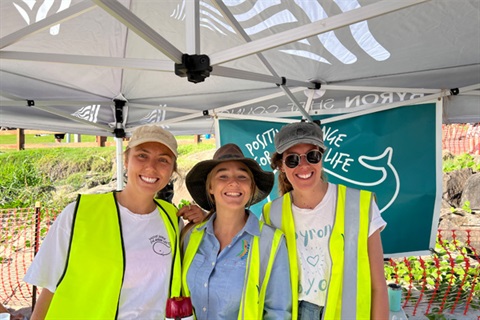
x=392 y=153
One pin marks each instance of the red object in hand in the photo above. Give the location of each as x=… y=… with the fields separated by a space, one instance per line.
x=179 y=307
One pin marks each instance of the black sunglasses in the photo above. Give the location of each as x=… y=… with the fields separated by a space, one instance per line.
x=293 y=160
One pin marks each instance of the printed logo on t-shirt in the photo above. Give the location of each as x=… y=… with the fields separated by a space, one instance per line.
x=160 y=245
x=312 y=246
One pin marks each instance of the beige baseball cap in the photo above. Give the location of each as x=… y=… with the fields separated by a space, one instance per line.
x=153 y=133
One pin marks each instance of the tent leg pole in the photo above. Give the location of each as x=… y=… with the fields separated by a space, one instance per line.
x=119 y=156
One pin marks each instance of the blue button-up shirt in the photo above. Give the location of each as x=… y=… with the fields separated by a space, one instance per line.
x=216 y=279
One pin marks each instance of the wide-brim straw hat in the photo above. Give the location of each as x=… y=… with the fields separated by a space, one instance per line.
x=197 y=176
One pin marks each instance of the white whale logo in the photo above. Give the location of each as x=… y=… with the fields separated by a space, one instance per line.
x=382 y=165
x=277 y=14
x=33 y=11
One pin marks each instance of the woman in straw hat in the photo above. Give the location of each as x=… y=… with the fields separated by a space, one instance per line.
x=234 y=266
x=332 y=233
x=115 y=255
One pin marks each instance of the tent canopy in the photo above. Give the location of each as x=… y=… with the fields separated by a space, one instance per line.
x=104 y=66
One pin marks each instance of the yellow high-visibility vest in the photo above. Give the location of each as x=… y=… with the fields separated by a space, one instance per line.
x=90 y=285
x=350 y=278
x=257 y=270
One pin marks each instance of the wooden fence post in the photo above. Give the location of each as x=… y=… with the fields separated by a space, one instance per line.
x=101 y=141
x=196 y=139
x=36 y=246
x=20 y=139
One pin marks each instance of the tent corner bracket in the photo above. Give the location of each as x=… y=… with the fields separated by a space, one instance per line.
x=195 y=67
x=119 y=131
x=284 y=82
x=454 y=91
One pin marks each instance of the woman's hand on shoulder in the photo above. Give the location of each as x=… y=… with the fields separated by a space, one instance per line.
x=191 y=213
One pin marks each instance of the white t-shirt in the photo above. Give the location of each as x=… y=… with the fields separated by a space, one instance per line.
x=148 y=257
x=313 y=228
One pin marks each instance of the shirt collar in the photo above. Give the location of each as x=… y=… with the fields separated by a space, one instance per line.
x=251 y=226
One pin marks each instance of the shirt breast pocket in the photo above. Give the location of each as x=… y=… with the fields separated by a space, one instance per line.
x=228 y=280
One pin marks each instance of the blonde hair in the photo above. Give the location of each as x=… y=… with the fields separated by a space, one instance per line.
x=211 y=200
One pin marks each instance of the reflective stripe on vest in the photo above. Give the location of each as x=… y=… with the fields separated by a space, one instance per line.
x=170 y=220
x=285 y=223
x=257 y=270
x=90 y=285
x=350 y=277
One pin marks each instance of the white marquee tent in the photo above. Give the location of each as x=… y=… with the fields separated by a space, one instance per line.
x=100 y=67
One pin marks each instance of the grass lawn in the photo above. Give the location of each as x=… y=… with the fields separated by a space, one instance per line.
x=39 y=138
x=43 y=137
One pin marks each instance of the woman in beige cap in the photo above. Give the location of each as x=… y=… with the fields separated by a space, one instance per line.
x=234 y=266
x=115 y=255
x=332 y=233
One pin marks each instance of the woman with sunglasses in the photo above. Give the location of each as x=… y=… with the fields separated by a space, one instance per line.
x=332 y=233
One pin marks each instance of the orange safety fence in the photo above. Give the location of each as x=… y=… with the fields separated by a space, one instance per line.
x=21 y=233
x=447 y=281
x=461 y=138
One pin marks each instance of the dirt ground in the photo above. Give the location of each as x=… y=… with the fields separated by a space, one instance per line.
x=180 y=191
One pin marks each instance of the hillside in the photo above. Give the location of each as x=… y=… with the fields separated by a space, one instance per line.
x=54 y=176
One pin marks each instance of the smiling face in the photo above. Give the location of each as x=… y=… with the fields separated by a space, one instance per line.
x=305 y=176
x=149 y=167
x=230 y=184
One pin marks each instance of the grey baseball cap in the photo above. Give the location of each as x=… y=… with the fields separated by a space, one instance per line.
x=299 y=132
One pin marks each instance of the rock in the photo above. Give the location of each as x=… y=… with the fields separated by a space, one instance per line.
x=453 y=185
x=471 y=192
x=464 y=223
x=445 y=204
x=447 y=155
x=450 y=220
x=460 y=186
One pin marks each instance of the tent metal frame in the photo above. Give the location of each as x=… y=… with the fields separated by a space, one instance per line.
x=193 y=46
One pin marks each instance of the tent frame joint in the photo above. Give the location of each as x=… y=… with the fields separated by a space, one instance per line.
x=119 y=131
x=284 y=82
x=454 y=91
x=196 y=67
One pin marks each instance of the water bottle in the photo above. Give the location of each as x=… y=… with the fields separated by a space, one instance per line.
x=394 y=297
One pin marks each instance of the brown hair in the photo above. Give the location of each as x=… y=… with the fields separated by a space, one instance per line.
x=284 y=186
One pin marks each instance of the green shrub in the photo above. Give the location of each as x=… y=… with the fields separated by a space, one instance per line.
x=461 y=162
x=32 y=175
x=20 y=180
